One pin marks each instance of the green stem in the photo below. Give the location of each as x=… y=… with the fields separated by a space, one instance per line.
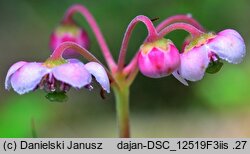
x=122 y=109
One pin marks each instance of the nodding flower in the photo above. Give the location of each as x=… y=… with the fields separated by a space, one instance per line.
x=69 y=32
x=158 y=59
x=55 y=76
x=204 y=54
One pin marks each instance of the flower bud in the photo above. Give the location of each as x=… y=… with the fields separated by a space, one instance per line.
x=69 y=32
x=158 y=59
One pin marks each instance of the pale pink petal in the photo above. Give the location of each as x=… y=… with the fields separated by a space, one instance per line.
x=11 y=71
x=194 y=63
x=73 y=60
x=181 y=79
x=228 y=45
x=100 y=74
x=28 y=77
x=73 y=74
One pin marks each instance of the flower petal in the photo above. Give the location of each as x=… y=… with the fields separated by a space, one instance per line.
x=28 y=77
x=73 y=74
x=11 y=71
x=231 y=32
x=194 y=63
x=145 y=66
x=73 y=60
x=228 y=45
x=100 y=74
x=181 y=79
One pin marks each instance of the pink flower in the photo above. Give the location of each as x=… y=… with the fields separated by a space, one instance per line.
x=69 y=32
x=158 y=59
x=55 y=76
x=228 y=45
x=208 y=49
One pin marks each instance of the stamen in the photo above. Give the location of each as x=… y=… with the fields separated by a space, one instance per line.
x=89 y=87
x=213 y=57
x=64 y=87
x=102 y=93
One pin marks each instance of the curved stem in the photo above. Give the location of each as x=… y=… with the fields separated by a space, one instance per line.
x=95 y=28
x=131 y=65
x=58 y=52
x=183 y=26
x=180 y=18
x=152 y=35
x=132 y=75
x=131 y=70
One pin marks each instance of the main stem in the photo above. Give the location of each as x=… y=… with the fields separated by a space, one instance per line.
x=122 y=108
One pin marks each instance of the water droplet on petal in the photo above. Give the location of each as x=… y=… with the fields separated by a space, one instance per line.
x=89 y=87
x=53 y=89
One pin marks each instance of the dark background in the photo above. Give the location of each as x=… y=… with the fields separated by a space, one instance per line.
x=217 y=106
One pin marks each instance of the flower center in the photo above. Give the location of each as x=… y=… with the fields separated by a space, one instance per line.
x=51 y=85
x=50 y=63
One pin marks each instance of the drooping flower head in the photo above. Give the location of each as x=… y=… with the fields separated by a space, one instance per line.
x=158 y=59
x=69 y=32
x=205 y=52
x=55 y=76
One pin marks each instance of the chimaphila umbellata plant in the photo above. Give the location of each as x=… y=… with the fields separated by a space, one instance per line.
x=157 y=57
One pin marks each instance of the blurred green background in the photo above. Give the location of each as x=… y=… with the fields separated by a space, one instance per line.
x=217 y=106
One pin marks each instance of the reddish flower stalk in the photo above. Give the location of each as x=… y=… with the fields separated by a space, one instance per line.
x=131 y=65
x=95 y=28
x=152 y=35
x=58 y=52
x=182 y=26
x=180 y=18
x=74 y=46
